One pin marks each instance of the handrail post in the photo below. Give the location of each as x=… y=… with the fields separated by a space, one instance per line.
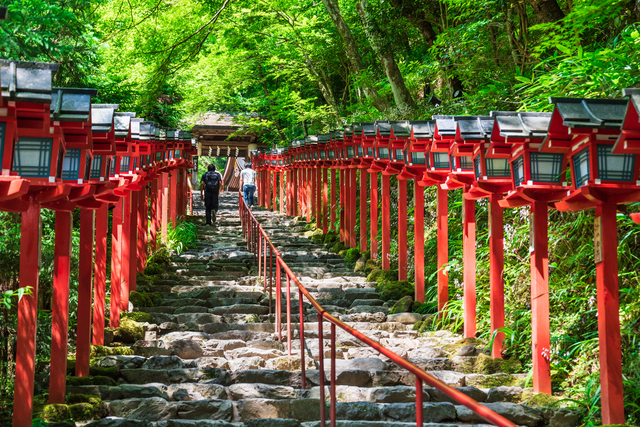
x=265 y=264
x=289 y=313
x=333 y=375
x=259 y=254
x=323 y=403
x=278 y=299
x=301 y=331
x=270 y=279
x=419 y=405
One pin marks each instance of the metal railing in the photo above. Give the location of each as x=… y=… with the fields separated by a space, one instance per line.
x=258 y=242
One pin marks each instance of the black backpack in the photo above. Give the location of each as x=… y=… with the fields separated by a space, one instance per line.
x=212 y=181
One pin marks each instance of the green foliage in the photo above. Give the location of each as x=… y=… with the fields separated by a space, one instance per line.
x=337 y=247
x=160 y=257
x=56 y=412
x=143 y=299
x=101 y=351
x=352 y=256
x=8 y=296
x=153 y=269
x=98 y=380
x=138 y=316
x=183 y=236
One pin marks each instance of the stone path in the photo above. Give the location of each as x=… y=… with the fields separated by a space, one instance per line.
x=210 y=356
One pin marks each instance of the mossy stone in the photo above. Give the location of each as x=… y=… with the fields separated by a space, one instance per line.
x=343 y=253
x=128 y=332
x=160 y=257
x=56 y=412
x=111 y=372
x=98 y=380
x=395 y=289
x=101 y=351
x=143 y=299
x=72 y=399
x=330 y=237
x=153 y=269
x=379 y=276
x=403 y=305
x=533 y=399
x=453 y=348
x=361 y=264
x=138 y=316
x=337 y=247
x=370 y=265
x=508 y=366
x=352 y=256
x=82 y=411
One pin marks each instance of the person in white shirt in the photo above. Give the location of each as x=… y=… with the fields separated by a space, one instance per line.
x=248 y=184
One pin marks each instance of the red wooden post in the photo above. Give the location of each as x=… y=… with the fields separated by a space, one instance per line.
x=300 y=194
x=325 y=197
x=469 y=266
x=125 y=248
x=540 y=334
x=142 y=229
x=353 y=199
x=334 y=206
x=496 y=266
x=363 y=210
x=60 y=308
x=116 y=264
x=318 y=201
x=267 y=186
x=153 y=213
x=275 y=191
x=133 y=243
x=443 y=248
x=386 y=221
x=418 y=225
x=85 y=270
x=373 y=196
x=308 y=200
x=402 y=229
x=165 y=205
x=294 y=196
x=100 y=274
x=342 y=206
x=27 y=316
x=609 y=315
x=173 y=198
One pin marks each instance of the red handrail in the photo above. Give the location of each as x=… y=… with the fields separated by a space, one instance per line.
x=256 y=237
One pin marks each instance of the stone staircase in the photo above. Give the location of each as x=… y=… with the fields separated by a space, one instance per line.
x=210 y=355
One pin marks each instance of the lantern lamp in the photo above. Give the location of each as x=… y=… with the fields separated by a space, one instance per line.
x=629 y=140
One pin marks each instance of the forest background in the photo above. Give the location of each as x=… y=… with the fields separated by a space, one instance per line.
x=288 y=68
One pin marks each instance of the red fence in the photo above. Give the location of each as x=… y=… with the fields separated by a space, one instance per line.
x=259 y=243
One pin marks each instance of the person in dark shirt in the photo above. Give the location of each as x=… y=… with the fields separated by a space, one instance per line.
x=210 y=189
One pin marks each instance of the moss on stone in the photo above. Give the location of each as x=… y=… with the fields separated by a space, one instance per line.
x=98 y=380
x=111 y=372
x=489 y=381
x=330 y=237
x=82 y=411
x=56 y=412
x=403 y=305
x=153 y=269
x=160 y=257
x=143 y=299
x=138 y=316
x=343 y=253
x=351 y=256
x=488 y=365
x=530 y=398
x=370 y=265
x=101 y=351
x=380 y=276
x=72 y=399
x=337 y=247
x=508 y=366
x=128 y=332
x=395 y=289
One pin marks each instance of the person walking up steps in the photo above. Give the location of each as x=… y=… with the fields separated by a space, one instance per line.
x=210 y=189
x=248 y=184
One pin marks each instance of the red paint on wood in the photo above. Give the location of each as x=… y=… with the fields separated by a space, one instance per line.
x=325 y=197
x=419 y=240
x=496 y=267
x=363 y=210
x=27 y=316
x=133 y=244
x=402 y=229
x=386 y=222
x=443 y=248
x=318 y=201
x=609 y=318
x=353 y=211
x=540 y=334
x=173 y=198
x=153 y=213
x=275 y=191
x=469 y=266
x=342 y=207
x=334 y=206
x=100 y=274
x=143 y=202
x=309 y=200
x=125 y=249
x=373 y=196
x=165 y=205
x=116 y=264
x=85 y=276
x=60 y=308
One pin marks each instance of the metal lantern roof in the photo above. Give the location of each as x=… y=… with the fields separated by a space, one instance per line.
x=147 y=132
x=102 y=117
x=71 y=104
x=634 y=95
x=122 y=124
x=26 y=81
x=528 y=125
x=591 y=113
x=422 y=129
x=474 y=127
x=399 y=128
x=323 y=138
x=629 y=140
x=134 y=126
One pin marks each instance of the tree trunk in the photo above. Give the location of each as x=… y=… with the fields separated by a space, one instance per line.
x=638 y=10
x=353 y=54
x=418 y=18
x=546 y=11
x=401 y=95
